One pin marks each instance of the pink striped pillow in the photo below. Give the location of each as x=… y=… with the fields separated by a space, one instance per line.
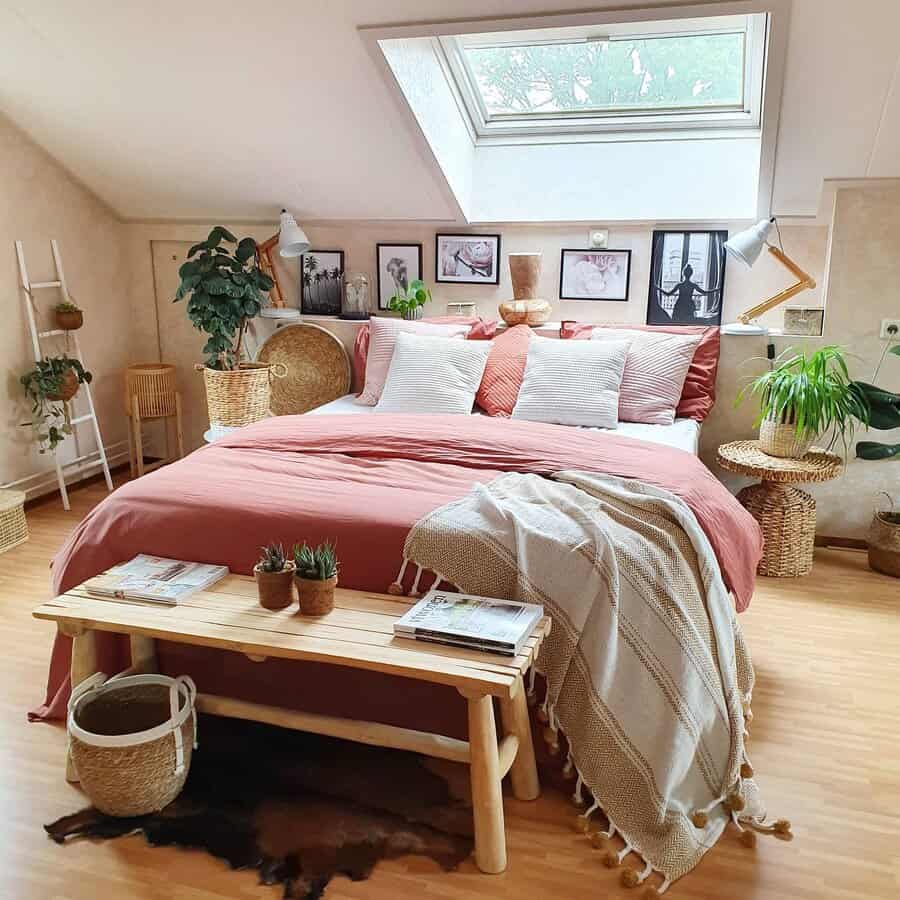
x=655 y=369
x=504 y=372
x=382 y=337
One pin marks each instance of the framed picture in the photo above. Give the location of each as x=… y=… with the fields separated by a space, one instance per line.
x=321 y=282
x=467 y=258
x=687 y=278
x=398 y=265
x=594 y=274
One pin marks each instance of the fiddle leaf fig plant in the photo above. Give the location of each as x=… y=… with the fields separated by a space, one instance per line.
x=224 y=287
x=884 y=414
x=44 y=385
x=407 y=301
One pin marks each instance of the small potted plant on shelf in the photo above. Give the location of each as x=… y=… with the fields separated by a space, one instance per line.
x=884 y=414
x=409 y=302
x=316 y=576
x=69 y=316
x=50 y=385
x=805 y=398
x=274 y=578
x=225 y=289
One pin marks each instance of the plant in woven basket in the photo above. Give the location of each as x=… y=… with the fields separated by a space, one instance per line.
x=274 y=577
x=315 y=564
x=407 y=301
x=66 y=306
x=272 y=558
x=813 y=393
x=225 y=289
x=52 y=381
x=884 y=414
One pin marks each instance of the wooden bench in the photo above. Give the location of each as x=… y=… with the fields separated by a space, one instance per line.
x=358 y=634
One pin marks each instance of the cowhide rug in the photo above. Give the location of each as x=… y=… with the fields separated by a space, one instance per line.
x=300 y=808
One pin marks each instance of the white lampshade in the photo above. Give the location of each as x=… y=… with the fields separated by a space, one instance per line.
x=747 y=245
x=292 y=240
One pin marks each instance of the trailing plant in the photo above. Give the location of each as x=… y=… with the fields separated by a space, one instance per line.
x=272 y=558
x=884 y=414
x=410 y=299
x=225 y=290
x=67 y=306
x=318 y=564
x=813 y=393
x=49 y=417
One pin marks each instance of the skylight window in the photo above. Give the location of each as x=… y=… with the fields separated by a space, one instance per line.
x=684 y=74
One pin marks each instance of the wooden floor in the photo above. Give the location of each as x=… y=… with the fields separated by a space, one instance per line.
x=825 y=745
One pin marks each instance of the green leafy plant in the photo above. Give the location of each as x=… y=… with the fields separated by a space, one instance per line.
x=67 y=306
x=318 y=564
x=408 y=301
x=272 y=558
x=43 y=384
x=884 y=414
x=225 y=289
x=813 y=393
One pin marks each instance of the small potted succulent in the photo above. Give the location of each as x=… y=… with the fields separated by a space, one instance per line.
x=316 y=576
x=50 y=385
x=274 y=578
x=69 y=316
x=409 y=301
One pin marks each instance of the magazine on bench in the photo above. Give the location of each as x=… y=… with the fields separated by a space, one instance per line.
x=464 y=620
x=155 y=579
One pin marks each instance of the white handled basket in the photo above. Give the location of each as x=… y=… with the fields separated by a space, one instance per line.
x=131 y=740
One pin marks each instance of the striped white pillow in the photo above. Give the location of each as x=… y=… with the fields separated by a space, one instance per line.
x=655 y=370
x=572 y=382
x=434 y=375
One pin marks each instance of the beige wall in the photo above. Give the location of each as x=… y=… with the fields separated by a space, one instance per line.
x=38 y=201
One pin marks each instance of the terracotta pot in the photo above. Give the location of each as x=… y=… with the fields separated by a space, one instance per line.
x=276 y=589
x=884 y=543
x=782 y=439
x=316 y=596
x=68 y=387
x=69 y=320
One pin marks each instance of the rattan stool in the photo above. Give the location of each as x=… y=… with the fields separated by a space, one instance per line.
x=786 y=514
x=13 y=527
x=151 y=392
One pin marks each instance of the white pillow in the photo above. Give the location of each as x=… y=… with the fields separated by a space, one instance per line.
x=433 y=375
x=572 y=382
x=655 y=370
x=382 y=335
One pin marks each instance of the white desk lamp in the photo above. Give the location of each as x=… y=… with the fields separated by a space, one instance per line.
x=292 y=242
x=747 y=247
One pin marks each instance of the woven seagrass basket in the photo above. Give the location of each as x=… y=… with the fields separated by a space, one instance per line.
x=782 y=439
x=238 y=397
x=13 y=527
x=131 y=740
x=884 y=543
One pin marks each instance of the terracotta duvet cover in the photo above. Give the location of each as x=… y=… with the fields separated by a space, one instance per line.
x=361 y=481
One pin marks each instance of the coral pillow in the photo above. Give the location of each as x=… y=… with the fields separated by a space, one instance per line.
x=504 y=372
x=698 y=396
x=655 y=369
x=479 y=330
x=382 y=338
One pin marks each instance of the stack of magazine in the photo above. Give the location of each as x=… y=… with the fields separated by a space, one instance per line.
x=155 y=579
x=463 y=620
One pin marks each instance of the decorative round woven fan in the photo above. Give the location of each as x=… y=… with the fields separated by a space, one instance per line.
x=318 y=369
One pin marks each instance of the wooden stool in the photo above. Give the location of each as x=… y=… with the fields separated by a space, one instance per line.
x=151 y=392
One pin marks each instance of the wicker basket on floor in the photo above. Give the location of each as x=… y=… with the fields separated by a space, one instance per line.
x=238 y=397
x=884 y=544
x=13 y=527
x=131 y=740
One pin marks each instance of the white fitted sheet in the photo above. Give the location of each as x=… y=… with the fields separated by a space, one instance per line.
x=683 y=434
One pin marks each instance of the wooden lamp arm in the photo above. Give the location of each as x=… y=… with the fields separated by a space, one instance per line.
x=804 y=282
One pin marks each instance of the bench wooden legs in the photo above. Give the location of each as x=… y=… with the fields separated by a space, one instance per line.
x=487 y=792
x=523 y=774
x=84 y=664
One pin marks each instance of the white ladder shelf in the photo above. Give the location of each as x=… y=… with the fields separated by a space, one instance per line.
x=36 y=337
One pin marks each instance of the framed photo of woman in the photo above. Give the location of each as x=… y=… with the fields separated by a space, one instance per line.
x=397 y=265
x=687 y=278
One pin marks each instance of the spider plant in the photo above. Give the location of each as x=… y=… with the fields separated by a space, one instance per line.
x=814 y=393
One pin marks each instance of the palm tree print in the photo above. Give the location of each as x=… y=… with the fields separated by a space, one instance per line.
x=321 y=279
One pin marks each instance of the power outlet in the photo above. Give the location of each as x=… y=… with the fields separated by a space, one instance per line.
x=890 y=330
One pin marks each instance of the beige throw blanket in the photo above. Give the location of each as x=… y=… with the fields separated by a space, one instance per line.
x=647 y=672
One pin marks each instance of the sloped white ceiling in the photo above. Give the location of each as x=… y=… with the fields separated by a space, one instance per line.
x=215 y=109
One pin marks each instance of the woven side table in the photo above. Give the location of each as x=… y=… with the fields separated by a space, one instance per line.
x=786 y=514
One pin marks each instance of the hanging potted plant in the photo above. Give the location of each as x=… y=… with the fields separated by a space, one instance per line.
x=884 y=414
x=409 y=302
x=316 y=577
x=50 y=385
x=804 y=399
x=274 y=578
x=69 y=316
x=224 y=287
